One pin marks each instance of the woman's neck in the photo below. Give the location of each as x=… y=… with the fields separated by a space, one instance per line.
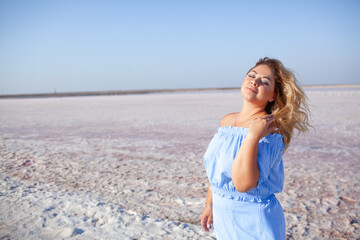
x=247 y=113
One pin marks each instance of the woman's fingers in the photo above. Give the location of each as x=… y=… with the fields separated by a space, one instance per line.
x=204 y=224
x=271 y=127
x=209 y=223
x=269 y=118
x=261 y=126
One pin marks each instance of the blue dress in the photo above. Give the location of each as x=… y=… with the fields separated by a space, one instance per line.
x=256 y=214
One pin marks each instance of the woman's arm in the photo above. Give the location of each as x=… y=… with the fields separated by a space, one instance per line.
x=206 y=216
x=209 y=196
x=245 y=170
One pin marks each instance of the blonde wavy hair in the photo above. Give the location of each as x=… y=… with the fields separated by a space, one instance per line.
x=290 y=107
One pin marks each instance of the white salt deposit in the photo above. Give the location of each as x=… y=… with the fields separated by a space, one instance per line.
x=130 y=167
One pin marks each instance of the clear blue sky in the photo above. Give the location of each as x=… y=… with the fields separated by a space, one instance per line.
x=78 y=45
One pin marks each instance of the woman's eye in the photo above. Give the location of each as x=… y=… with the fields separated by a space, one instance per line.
x=265 y=82
x=251 y=75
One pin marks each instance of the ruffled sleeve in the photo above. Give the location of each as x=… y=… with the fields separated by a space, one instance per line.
x=269 y=159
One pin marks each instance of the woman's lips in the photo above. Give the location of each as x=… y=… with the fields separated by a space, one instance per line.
x=252 y=89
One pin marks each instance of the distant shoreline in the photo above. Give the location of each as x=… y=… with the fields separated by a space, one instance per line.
x=332 y=86
x=149 y=91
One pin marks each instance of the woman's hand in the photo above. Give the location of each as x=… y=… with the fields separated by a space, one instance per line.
x=261 y=127
x=207 y=219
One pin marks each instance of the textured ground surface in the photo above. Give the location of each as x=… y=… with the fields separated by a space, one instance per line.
x=130 y=167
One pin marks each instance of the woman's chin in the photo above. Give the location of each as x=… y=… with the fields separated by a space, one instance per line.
x=255 y=101
x=249 y=96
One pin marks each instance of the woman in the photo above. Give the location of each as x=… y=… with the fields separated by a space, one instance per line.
x=244 y=159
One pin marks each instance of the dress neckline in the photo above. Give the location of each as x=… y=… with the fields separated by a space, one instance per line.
x=233 y=129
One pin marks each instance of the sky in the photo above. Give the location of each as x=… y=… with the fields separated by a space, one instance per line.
x=78 y=45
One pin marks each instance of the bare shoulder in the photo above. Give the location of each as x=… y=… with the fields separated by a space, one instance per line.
x=228 y=119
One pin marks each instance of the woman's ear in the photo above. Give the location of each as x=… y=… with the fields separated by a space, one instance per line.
x=273 y=98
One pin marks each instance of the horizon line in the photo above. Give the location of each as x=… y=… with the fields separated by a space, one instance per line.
x=149 y=91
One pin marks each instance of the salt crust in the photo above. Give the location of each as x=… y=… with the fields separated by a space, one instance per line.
x=125 y=167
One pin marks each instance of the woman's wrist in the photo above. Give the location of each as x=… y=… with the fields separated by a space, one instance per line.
x=208 y=205
x=252 y=137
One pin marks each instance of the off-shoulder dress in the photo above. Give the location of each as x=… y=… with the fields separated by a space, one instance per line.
x=256 y=214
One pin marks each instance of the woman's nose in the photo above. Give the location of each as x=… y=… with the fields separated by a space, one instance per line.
x=253 y=82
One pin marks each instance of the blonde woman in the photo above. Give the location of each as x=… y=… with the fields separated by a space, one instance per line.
x=244 y=159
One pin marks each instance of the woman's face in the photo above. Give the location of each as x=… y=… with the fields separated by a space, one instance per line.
x=259 y=85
